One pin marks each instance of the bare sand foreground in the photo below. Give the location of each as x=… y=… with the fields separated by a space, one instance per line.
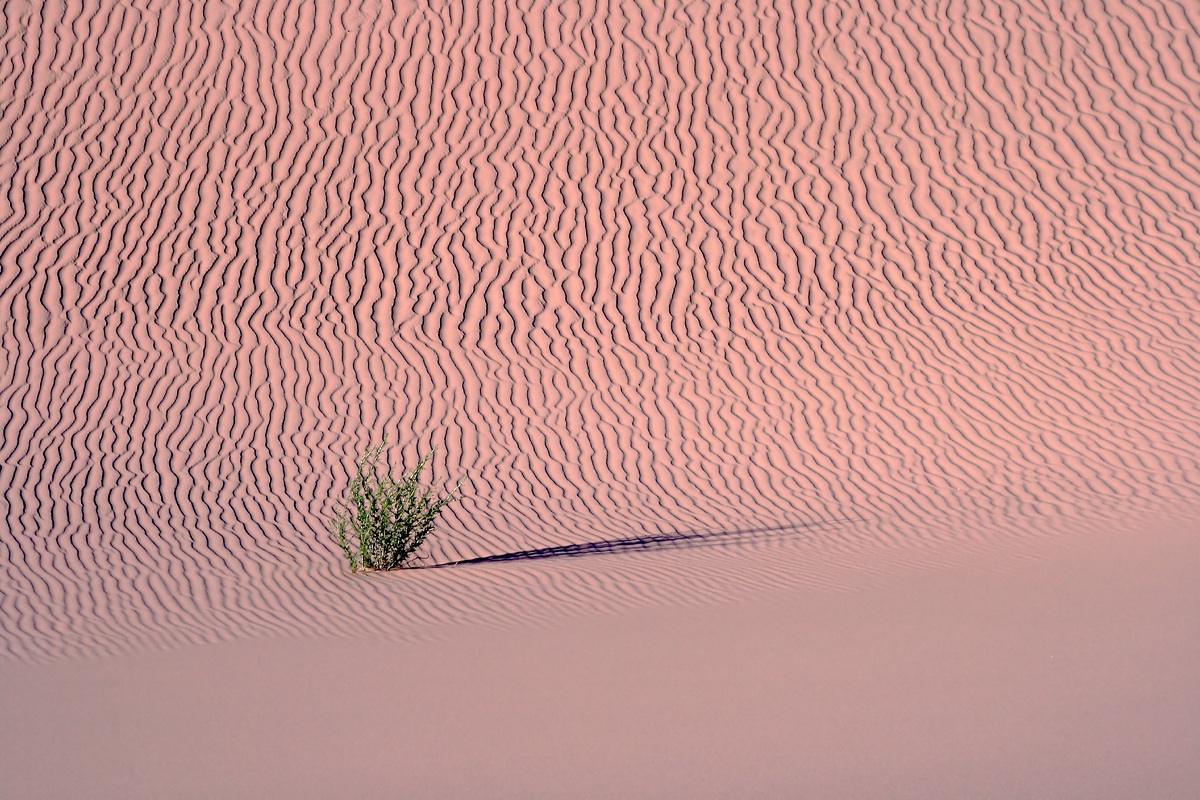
x=1065 y=668
x=891 y=311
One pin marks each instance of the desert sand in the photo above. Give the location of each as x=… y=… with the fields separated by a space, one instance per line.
x=878 y=323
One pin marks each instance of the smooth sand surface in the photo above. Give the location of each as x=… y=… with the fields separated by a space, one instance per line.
x=1065 y=669
x=787 y=300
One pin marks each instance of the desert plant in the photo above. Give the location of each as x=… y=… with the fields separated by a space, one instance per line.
x=385 y=519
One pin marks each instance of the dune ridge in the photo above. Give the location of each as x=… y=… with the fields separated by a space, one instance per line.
x=633 y=271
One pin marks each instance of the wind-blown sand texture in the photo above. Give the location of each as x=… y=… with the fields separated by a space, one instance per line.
x=828 y=277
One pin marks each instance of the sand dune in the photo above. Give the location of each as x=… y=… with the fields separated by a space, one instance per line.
x=885 y=272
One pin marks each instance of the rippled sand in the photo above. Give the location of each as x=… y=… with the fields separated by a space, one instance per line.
x=776 y=291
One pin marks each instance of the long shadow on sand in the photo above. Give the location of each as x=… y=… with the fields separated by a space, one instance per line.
x=659 y=541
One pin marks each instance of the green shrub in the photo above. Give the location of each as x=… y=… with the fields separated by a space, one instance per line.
x=385 y=519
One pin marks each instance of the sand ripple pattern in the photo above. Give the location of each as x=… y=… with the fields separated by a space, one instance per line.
x=634 y=268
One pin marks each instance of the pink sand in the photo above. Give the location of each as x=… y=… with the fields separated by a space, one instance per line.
x=881 y=286
x=1066 y=668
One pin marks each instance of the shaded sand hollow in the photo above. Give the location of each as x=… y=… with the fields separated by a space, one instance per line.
x=873 y=326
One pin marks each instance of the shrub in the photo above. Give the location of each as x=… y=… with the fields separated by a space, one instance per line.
x=386 y=519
